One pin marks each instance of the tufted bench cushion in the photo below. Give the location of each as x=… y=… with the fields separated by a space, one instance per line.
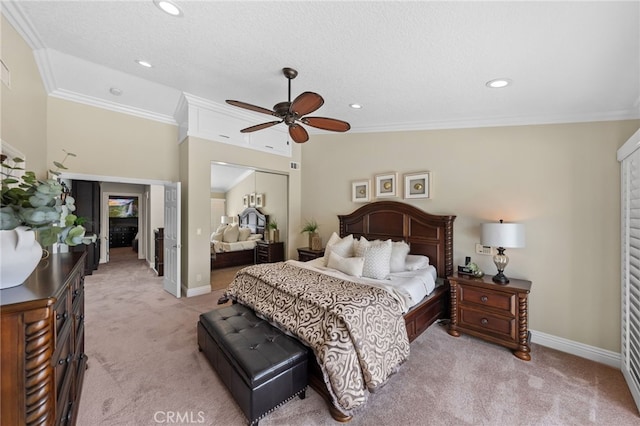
x=261 y=366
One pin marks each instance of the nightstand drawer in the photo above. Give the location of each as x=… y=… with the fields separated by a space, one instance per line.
x=482 y=321
x=502 y=301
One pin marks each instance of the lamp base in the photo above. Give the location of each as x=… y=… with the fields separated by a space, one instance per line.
x=500 y=278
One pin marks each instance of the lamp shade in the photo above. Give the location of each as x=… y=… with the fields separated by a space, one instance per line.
x=507 y=235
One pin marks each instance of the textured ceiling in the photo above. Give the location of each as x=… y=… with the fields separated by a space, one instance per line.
x=412 y=65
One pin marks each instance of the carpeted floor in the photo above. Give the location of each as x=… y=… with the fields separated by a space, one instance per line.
x=145 y=369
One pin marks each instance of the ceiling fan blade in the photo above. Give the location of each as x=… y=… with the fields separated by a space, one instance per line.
x=298 y=133
x=250 y=107
x=306 y=103
x=327 y=123
x=260 y=126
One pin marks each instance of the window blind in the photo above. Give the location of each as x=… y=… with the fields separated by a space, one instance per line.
x=630 y=197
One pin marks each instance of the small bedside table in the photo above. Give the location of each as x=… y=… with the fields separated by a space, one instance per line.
x=493 y=312
x=305 y=254
x=269 y=252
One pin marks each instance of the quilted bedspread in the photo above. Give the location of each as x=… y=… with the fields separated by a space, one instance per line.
x=357 y=332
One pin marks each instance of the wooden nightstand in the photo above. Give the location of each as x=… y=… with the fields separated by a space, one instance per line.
x=493 y=312
x=269 y=252
x=305 y=254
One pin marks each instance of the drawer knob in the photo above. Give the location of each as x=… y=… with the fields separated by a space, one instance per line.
x=484 y=321
x=484 y=299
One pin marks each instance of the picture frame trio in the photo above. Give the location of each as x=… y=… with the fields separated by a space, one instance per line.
x=253 y=200
x=416 y=185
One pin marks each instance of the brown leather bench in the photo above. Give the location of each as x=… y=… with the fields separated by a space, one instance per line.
x=261 y=366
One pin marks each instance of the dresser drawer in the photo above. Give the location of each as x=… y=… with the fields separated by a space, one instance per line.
x=485 y=322
x=505 y=302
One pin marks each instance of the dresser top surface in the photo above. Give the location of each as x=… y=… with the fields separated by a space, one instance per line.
x=45 y=282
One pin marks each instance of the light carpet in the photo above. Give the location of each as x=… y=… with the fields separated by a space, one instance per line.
x=145 y=369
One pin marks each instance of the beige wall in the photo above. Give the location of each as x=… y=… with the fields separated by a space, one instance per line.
x=560 y=181
x=23 y=109
x=109 y=143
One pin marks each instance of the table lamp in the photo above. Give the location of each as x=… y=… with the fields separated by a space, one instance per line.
x=502 y=235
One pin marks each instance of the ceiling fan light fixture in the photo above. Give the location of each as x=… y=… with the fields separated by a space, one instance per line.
x=168 y=7
x=499 y=83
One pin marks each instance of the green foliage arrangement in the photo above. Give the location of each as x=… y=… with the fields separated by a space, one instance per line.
x=273 y=224
x=39 y=205
x=310 y=226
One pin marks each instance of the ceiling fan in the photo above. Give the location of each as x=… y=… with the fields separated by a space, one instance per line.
x=291 y=113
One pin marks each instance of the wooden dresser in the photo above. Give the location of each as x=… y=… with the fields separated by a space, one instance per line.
x=158 y=240
x=42 y=337
x=269 y=252
x=493 y=312
x=306 y=254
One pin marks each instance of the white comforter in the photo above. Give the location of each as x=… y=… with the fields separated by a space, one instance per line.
x=408 y=287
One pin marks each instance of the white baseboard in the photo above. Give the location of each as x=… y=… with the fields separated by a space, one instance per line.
x=197 y=291
x=612 y=359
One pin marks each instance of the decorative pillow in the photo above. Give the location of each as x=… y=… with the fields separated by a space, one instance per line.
x=357 y=243
x=216 y=236
x=243 y=234
x=231 y=233
x=377 y=258
x=222 y=227
x=413 y=262
x=343 y=247
x=348 y=265
x=399 y=251
x=254 y=237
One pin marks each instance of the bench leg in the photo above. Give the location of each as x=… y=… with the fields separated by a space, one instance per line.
x=303 y=394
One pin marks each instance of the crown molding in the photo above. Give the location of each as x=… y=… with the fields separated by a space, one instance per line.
x=112 y=106
x=22 y=25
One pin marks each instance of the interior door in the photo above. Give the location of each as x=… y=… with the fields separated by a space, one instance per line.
x=172 y=238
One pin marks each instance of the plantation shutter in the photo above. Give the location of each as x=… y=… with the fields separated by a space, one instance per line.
x=629 y=156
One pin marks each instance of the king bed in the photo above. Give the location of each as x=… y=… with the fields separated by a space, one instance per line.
x=356 y=331
x=236 y=247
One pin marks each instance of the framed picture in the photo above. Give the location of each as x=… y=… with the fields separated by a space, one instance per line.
x=360 y=191
x=245 y=201
x=386 y=185
x=417 y=185
x=252 y=199
x=259 y=200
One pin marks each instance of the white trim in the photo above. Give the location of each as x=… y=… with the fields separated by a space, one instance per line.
x=114 y=179
x=197 y=291
x=43 y=61
x=112 y=106
x=629 y=146
x=21 y=23
x=603 y=356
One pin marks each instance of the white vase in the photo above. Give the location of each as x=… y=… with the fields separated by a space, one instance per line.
x=20 y=253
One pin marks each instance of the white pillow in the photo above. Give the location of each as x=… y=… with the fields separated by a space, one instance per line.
x=377 y=258
x=413 y=262
x=349 y=265
x=243 y=234
x=254 y=237
x=343 y=247
x=216 y=236
x=231 y=233
x=357 y=244
x=222 y=227
x=399 y=251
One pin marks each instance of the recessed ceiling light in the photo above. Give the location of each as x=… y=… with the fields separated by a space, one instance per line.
x=115 y=91
x=168 y=7
x=143 y=63
x=355 y=106
x=499 y=83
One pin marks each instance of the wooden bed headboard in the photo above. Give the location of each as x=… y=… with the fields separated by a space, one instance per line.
x=427 y=234
x=254 y=219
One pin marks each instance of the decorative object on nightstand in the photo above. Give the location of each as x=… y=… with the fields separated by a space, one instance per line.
x=274 y=231
x=269 y=252
x=306 y=254
x=493 y=312
x=311 y=226
x=502 y=235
